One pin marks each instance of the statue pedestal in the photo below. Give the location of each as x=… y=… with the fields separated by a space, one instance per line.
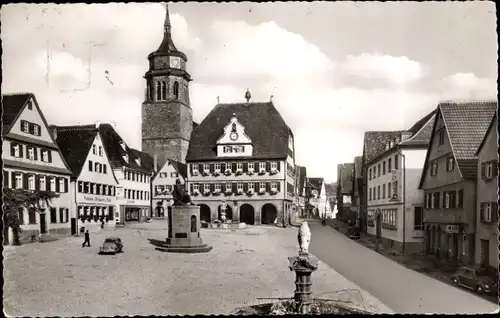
x=303 y=266
x=184 y=231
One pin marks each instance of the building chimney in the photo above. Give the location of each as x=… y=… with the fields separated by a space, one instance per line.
x=155 y=162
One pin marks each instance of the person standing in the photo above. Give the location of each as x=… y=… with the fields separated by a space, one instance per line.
x=87 y=239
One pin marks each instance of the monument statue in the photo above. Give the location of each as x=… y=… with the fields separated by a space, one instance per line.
x=304 y=238
x=181 y=196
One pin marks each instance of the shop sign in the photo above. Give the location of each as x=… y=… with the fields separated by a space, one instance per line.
x=452 y=228
x=96 y=199
x=119 y=192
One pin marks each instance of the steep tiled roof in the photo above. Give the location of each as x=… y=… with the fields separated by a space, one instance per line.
x=375 y=141
x=180 y=167
x=317 y=183
x=12 y=104
x=111 y=141
x=263 y=124
x=421 y=123
x=422 y=136
x=75 y=145
x=330 y=189
x=466 y=124
x=146 y=160
x=493 y=125
x=346 y=178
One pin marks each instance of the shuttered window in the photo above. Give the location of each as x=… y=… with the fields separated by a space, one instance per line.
x=53 y=215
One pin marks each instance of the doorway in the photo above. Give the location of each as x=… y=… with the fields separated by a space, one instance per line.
x=269 y=214
x=247 y=214
x=43 y=223
x=73 y=226
x=485 y=252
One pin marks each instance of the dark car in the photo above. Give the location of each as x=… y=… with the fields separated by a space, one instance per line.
x=111 y=245
x=475 y=278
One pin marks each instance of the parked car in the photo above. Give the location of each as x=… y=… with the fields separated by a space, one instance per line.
x=475 y=278
x=111 y=245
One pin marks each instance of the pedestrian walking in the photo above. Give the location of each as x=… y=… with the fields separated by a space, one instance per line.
x=102 y=223
x=87 y=239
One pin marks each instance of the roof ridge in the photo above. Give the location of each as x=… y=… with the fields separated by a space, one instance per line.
x=17 y=94
x=466 y=101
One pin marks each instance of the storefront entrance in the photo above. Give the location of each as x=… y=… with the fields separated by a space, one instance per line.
x=132 y=214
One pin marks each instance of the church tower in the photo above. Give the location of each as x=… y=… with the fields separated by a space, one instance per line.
x=167 y=118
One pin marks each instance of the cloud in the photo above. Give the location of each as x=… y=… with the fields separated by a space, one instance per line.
x=468 y=86
x=376 y=66
x=237 y=50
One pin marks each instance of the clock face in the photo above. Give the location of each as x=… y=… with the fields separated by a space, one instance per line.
x=175 y=62
x=233 y=136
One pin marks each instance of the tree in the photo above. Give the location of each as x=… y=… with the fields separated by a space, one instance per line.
x=14 y=199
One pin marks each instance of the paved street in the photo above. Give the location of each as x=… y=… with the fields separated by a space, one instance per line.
x=401 y=289
x=63 y=279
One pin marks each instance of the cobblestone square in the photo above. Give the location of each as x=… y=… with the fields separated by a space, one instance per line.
x=63 y=279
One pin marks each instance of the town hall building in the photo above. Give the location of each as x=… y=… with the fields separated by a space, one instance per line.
x=242 y=155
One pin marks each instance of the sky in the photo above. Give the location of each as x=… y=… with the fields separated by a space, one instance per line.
x=334 y=69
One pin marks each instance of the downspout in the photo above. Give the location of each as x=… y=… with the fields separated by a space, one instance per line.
x=76 y=206
x=404 y=197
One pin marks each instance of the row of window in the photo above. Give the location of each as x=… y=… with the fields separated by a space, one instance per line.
x=234 y=149
x=31 y=128
x=451 y=199
x=374 y=193
x=488 y=211
x=97 y=150
x=380 y=169
x=32 y=153
x=163 y=189
x=172 y=174
x=235 y=187
x=96 y=188
x=161 y=90
x=29 y=181
x=388 y=217
x=136 y=176
x=63 y=215
x=235 y=167
x=97 y=167
x=136 y=194
x=95 y=211
x=450 y=165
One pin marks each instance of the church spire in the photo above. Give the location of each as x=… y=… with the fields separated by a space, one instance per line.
x=166 y=25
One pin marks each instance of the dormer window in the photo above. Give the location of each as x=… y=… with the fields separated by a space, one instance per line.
x=391 y=144
x=450 y=164
x=138 y=161
x=122 y=144
x=125 y=157
x=387 y=146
